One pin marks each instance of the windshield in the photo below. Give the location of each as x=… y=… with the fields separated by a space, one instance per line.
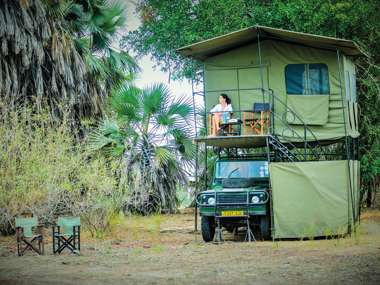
x=241 y=169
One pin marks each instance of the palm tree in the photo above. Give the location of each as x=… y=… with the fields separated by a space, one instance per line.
x=58 y=54
x=150 y=133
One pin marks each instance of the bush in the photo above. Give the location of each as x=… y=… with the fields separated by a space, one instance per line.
x=45 y=172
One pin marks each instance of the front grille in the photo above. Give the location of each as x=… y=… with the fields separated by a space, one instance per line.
x=233 y=198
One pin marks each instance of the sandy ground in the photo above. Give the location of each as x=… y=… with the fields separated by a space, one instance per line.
x=165 y=250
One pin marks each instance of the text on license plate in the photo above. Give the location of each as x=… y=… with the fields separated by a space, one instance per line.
x=232 y=213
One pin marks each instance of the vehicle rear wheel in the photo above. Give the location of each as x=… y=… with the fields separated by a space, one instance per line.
x=265 y=227
x=208 y=228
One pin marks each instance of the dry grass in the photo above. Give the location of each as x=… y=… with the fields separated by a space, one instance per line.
x=165 y=250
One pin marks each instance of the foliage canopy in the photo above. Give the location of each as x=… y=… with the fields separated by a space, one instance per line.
x=168 y=25
x=58 y=54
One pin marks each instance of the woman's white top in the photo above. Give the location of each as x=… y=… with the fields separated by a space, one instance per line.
x=218 y=108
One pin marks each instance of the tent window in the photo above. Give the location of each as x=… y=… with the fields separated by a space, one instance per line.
x=307 y=79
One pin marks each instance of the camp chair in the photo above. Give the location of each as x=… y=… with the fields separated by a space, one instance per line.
x=229 y=126
x=66 y=234
x=29 y=232
x=262 y=124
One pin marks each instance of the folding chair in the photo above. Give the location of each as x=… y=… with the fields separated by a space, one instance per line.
x=231 y=128
x=262 y=124
x=66 y=234
x=29 y=232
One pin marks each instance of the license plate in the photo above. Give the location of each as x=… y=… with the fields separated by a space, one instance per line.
x=232 y=213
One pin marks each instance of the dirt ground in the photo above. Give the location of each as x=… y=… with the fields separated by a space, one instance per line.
x=166 y=250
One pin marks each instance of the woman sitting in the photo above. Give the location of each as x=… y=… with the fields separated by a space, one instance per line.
x=221 y=113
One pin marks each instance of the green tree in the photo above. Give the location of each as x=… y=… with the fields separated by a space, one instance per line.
x=150 y=134
x=58 y=54
x=168 y=25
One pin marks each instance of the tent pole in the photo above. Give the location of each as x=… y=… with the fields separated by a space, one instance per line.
x=196 y=158
x=205 y=120
x=350 y=196
x=261 y=64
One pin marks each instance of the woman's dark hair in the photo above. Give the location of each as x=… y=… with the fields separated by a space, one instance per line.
x=225 y=96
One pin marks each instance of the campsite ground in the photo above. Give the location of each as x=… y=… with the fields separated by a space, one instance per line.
x=165 y=250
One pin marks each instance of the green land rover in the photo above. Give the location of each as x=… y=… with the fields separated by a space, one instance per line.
x=238 y=197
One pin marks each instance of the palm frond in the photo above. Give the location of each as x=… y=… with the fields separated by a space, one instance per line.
x=126 y=103
x=154 y=98
x=60 y=9
x=96 y=65
x=122 y=60
x=164 y=155
x=107 y=137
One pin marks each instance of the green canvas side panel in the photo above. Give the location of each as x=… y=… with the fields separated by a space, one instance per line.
x=348 y=70
x=351 y=110
x=243 y=57
x=330 y=131
x=309 y=198
x=352 y=118
x=314 y=110
x=221 y=80
x=250 y=78
x=249 y=97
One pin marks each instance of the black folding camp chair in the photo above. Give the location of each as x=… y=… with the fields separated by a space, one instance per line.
x=66 y=234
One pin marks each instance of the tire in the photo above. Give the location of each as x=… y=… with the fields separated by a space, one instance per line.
x=265 y=227
x=208 y=228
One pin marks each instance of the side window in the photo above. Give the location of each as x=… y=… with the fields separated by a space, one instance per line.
x=307 y=79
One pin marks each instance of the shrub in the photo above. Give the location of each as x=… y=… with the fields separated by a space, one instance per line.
x=46 y=172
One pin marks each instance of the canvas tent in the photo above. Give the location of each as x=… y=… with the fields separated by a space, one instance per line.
x=243 y=63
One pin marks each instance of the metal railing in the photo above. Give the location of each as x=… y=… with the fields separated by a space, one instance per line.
x=310 y=148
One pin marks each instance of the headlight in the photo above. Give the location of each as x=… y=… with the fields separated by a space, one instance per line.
x=255 y=199
x=211 y=201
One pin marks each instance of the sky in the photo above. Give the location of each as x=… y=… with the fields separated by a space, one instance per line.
x=149 y=74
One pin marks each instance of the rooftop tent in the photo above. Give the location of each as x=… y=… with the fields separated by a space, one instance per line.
x=303 y=71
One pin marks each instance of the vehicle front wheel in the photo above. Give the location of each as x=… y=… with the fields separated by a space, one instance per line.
x=208 y=228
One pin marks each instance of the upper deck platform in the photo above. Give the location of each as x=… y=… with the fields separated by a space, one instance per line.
x=242 y=141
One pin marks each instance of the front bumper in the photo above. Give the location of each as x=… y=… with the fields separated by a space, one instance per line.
x=239 y=200
x=257 y=210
